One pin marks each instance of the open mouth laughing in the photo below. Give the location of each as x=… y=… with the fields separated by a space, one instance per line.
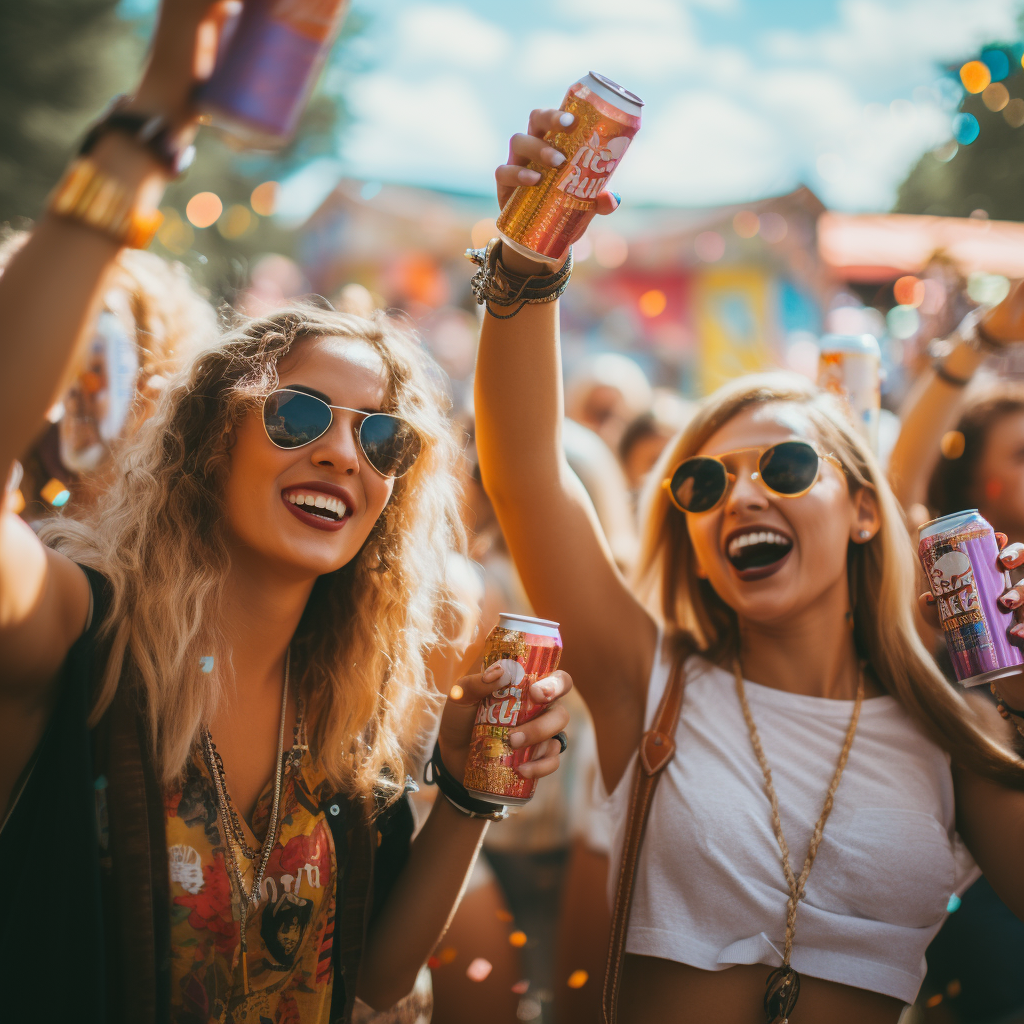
x=755 y=553
x=317 y=506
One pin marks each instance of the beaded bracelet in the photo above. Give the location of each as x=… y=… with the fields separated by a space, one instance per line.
x=1006 y=712
x=436 y=774
x=495 y=283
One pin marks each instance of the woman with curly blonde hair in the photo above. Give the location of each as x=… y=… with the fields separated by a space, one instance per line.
x=211 y=681
x=820 y=782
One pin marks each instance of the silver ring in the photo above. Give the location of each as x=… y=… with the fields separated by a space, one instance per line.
x=563 y=741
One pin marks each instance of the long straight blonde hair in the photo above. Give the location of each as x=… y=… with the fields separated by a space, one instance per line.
x=157 y=535
x=882 y=575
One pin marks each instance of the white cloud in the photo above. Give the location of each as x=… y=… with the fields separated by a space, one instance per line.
x=449 y=37
x=704 y=148
x=437 y=132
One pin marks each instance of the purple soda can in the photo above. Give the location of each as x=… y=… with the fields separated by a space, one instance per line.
x=961 y=560
x=269 y=60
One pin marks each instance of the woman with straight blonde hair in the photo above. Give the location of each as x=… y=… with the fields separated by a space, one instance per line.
x=211 y=681
x=804 y=840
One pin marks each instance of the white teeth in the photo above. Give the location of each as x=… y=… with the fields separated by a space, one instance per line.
x=329 y=502
x=756 y=537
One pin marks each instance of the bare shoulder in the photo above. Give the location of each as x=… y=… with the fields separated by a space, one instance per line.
x=44 y=604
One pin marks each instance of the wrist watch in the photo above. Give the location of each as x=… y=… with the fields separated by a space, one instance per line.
x=153 y=132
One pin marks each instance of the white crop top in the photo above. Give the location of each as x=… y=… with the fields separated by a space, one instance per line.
x=710 y=891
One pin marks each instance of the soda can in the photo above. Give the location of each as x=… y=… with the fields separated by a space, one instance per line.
x=959 y=554
x=270 y=56
x=850 y=367
x=541 y=221
x=527 y=650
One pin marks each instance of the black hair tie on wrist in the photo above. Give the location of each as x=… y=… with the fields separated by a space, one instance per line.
x=948 y=378
x=436 y=774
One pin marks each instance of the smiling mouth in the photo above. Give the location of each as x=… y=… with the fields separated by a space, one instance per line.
x=325 y=506
x=758 y=552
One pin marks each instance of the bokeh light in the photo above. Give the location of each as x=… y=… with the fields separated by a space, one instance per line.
x=236 y=221
x=995 y=96
x=482 y=232
x=652 y=303
x=175 y=234
x=578 y=979
x=952 y=444
x=909 y=291
x=998 y=64
x=965 y=128
x=517 y=939
x=945 y=152
x=264 y=198
x=903 y=322
x=582 y=249
x=773 y=227
x=204 y=208
x=479 y=969
x=975 y=75
x=1013 y=113
x=521 y=987
x=987 y=289
x=610 y=250
x=709 y=246
x=746 y=223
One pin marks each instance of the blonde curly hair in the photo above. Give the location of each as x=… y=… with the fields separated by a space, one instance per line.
x=157 y=535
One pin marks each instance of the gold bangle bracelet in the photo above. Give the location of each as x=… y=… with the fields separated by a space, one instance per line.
x=99 y=201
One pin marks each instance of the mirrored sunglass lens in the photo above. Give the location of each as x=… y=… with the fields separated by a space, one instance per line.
x=390 y=444
x=698 y=484
x=790 y=467
x=294 y=419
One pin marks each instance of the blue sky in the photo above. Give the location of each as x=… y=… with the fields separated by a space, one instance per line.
x=744 y=98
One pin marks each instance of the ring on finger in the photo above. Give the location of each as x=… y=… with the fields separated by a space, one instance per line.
x=563 y=742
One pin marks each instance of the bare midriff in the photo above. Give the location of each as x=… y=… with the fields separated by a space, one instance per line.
x=663 y=990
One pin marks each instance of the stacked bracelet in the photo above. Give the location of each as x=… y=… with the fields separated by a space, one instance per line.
x=152 y=132
x=435 y=773
x=495 y=283
x=98 y=200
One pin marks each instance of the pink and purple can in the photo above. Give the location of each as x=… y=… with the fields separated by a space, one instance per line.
x=960 y=557
x=268 y=63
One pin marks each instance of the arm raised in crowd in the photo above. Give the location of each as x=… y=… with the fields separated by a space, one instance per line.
x=50 y=295
x=548 y=521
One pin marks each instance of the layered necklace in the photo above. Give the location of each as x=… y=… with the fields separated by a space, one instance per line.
x=783 y=985
x=234 y=837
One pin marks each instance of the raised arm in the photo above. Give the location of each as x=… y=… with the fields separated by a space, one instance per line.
x=49 y=297
x=935 y=401
x=547 y=519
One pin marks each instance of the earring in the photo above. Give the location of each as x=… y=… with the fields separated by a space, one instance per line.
x=864 y=534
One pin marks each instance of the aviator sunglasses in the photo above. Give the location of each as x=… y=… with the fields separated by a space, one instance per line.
x=293 y=418
x=788 y=469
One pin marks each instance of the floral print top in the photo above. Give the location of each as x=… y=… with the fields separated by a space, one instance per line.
x=289 y=935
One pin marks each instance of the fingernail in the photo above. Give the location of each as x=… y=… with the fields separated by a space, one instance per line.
x=558 y=159
x=515 y=741
x=1010 y=598
x=618 y=199
x=528 y=177
x=456 y=692
x=541 y=693
x=493 y=671
x=929 y=599
x=1018 y=629
x=566 y=119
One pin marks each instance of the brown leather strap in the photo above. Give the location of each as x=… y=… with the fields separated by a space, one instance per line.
x=657 y=748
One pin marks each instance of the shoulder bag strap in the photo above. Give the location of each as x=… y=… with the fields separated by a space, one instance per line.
x=657 y=748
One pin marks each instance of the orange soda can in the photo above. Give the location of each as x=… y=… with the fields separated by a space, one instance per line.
x=541 y=221
x=528 y=649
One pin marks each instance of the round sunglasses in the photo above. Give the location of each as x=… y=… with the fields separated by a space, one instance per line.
x=788 y=469
x=293 y=418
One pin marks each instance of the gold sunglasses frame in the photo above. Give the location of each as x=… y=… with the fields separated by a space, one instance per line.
x=730 y=478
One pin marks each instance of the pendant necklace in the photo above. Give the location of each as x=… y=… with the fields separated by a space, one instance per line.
x=783 y=984
x=248 y=901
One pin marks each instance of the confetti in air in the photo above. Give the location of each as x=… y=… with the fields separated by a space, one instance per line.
x=478 y=969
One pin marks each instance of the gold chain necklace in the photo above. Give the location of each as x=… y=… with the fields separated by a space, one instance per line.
x=248 y=900
x=783 y=984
